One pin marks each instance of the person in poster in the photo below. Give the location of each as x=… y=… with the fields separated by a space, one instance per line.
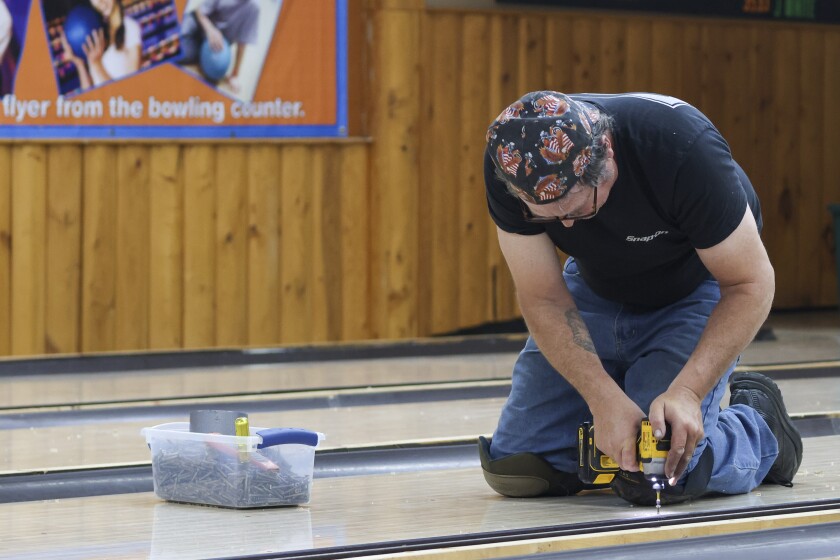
x=9 y=47
x=111 y=51
x=226 y=25
x=94 y=42
x=5 y=28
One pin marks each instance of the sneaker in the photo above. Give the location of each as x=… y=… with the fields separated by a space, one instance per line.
x=760 y=393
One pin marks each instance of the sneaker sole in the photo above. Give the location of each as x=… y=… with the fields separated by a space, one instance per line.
x=749 y=380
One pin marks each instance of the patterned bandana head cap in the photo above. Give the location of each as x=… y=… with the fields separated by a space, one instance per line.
x=542 y=144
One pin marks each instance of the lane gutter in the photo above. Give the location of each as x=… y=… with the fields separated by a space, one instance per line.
x=549 y=532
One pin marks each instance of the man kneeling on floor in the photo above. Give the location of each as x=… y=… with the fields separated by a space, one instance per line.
x=666 y=283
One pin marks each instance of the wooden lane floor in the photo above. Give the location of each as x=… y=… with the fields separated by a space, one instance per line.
x=119 y=441
x=77 y=444
x=352 y=511
x=65 y=443
x=74 y=389
x=69 y=390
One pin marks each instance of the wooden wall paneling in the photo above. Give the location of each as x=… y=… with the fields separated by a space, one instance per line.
x=667 y=58
x=690 y=66
x=427 y=175
x=395 y=121
x=28 y=278
x=584 y=48
x=782 y=217
x=357 y=15
x=320 y=269
x=612 y=55
x=830 y=162
x=639 y=55
x=331 y=228
x=5 y=250
x=166 y=247
x=814 y=258
x=263 y=244
x=375 y=82
x=713 y=99
x=709 y=96
x=475 y=114
x=729 y=99
x=503 y=90
x=426 y=154
x=132 y=256
x=503 y=291
x=756 y=161
x=64 y=249
x=330 y=239
x=439 y=173
x=231 y=245
x=559 y=60
x=295 y=244
x=739 y=101
x=531 y=62
x=99 y=249
x=199 y=276
x=354 y=240
x=131 y=291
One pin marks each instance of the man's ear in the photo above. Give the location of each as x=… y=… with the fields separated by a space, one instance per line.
x=608 y=145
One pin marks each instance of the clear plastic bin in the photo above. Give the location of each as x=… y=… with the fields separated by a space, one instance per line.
x=270 y=467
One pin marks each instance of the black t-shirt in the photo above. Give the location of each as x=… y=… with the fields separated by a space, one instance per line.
x=678 y=190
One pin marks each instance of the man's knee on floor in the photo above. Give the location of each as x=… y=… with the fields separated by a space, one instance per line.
x=525 y=475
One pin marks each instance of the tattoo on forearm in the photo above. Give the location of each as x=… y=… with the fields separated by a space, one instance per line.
x=580 y=335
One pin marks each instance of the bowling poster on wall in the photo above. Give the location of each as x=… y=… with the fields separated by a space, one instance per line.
x=124 y=69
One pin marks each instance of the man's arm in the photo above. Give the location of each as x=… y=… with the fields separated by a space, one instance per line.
x=560 y=333
x=740 y=265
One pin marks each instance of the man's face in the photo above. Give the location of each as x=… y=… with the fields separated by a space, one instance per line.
x=580 y=203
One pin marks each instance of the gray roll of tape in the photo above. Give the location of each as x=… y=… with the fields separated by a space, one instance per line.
x=215 y=421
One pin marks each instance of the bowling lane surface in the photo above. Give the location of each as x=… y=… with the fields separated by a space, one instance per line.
x=63 y=441
x=350 y=511
x=73 y=389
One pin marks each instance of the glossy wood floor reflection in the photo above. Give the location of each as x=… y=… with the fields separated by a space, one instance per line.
x=79 y=444
x=348 y=511
x=343 y=511
x=70 y=390
x=117 y=442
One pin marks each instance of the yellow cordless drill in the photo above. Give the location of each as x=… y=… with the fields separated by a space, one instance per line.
x=596 y=468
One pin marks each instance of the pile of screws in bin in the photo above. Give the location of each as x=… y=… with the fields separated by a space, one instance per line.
x=221 y=461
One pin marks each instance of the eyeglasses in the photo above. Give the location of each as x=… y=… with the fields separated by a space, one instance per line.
x=529 y=217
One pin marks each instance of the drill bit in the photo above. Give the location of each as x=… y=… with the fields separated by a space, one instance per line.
x=658 y=487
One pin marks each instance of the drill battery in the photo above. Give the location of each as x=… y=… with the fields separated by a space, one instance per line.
x=594 y=467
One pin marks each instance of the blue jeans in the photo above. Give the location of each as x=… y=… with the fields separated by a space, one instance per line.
x=643 y=351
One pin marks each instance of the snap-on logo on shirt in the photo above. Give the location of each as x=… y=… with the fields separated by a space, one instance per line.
x=645 y=239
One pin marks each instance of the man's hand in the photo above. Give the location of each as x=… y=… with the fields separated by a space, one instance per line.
x=617 y=421
x=680 y=408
